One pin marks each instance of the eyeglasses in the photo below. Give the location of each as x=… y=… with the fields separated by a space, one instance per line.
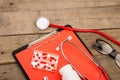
x=104 y=47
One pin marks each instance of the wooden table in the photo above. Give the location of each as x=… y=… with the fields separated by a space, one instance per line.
x=17 y=27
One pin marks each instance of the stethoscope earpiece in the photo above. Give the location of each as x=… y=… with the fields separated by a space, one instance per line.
x=42 y=23
x=67 y=39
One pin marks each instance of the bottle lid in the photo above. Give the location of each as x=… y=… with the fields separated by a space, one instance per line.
x=65 y=68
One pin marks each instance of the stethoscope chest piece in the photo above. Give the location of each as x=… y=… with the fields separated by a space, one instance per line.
x=42 y=23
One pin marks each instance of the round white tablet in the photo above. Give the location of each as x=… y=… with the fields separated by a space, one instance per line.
x=42 y=23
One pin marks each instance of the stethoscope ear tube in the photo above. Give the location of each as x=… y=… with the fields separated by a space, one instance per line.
x=87 y=31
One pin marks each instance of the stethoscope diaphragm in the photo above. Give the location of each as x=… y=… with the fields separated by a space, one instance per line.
x=42 y=23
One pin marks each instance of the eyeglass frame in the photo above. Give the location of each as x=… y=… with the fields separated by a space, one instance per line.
x=112 y=54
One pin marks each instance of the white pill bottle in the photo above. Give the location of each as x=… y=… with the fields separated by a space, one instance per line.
x=68 y=73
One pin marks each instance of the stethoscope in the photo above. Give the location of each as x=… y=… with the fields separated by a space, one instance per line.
x=43 y=23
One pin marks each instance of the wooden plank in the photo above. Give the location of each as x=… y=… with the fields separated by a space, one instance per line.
x=17 y=23
x=13 y=42
x=12 y=71
x=115 y=76
x=10 y=5
x=6 y=59
x=109 y=66
x=22 y=22
x=10 y=43
x=95 y=12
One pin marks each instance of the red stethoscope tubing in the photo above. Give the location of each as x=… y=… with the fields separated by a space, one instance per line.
x=87 y=31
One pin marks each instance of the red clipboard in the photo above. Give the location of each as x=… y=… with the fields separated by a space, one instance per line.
x=49 y=43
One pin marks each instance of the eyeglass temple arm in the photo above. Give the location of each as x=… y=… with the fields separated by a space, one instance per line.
x=87 y=31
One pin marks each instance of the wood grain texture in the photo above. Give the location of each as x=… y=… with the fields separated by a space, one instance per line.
x=11 y=43
x=15 y=42
x=9 y=5
x=11 y=72
x=109 y=66
x=23 y=22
